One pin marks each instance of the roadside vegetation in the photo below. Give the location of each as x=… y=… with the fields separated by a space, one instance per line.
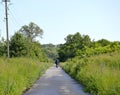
x=27 y=60
x=19 y=74
x=99 y=74
x=95 y=64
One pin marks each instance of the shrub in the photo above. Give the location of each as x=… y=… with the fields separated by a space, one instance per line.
x=18 y=74
x=99 y=74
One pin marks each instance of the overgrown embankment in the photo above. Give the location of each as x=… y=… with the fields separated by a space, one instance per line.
x=18 y=74
x=99 y=74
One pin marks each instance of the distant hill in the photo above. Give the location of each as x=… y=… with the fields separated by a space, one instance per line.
x=50 y=50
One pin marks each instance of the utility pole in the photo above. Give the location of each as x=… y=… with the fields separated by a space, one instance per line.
x=7 y=34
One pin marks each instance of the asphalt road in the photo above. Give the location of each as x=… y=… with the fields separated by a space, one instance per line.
x=56 y=82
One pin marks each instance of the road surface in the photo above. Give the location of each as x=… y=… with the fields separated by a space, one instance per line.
x=56 y=82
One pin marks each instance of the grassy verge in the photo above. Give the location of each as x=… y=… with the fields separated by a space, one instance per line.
x=18 y=74
x=99 y=74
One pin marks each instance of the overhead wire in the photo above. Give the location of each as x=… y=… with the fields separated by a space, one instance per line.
x=13 y=19
x=15 y=16
x=2 y=20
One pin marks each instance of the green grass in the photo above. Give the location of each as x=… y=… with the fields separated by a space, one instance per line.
x=99 y=74
x=19 y=74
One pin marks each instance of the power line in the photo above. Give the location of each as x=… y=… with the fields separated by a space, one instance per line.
x=18 y=19
x=1 y=14
x=2 y=20
x=14 y=21
x=14 y=18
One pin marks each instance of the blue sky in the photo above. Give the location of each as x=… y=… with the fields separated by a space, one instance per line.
x=58 y=18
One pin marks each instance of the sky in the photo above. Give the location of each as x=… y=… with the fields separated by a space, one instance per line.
x=59 y=18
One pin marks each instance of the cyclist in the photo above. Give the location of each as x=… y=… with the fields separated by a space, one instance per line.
x=56 y=62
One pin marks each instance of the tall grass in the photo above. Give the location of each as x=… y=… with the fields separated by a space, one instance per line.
x=99 y=74
x=18 y=74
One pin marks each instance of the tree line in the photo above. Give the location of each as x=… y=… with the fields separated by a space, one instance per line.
x=23 y=43
x=50 y=50
x=82 y=45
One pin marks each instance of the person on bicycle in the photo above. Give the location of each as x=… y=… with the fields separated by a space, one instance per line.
x=56 y=62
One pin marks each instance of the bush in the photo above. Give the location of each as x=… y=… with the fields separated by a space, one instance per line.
x=18 y=74
x=99 y=74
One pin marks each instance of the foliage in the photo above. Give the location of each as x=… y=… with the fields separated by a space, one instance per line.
x=18 y=45
x=18 y=74
x=31 y=31
x=3 y=47
x=99 y=74
x=50 y=50
x=22 y=43
x=103 y=42
x=95 y=64
x=77 y=45
x=74 y=43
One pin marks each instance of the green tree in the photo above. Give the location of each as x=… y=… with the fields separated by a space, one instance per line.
x=3 y=47
x=74 y=44
x=86 y=41
x=50 y=50
x=18 y=45
x=103 y=42
x=61 y=52
x=31 y=31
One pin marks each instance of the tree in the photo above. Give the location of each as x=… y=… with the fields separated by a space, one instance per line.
x=86 y=41
x=18 y=45
x=74 y=45
x=31 y=31
x=50 y=50
x=103 y=42
x=3 y=47
x=69 y=49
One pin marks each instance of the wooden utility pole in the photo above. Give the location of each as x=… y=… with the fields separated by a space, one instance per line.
x=7 y=34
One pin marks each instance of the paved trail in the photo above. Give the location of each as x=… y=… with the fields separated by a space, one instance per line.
x=56 y=82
